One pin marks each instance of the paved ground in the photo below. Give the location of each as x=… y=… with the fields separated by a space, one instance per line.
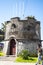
x=9 y=61
x=13 y=63
x=4 y=58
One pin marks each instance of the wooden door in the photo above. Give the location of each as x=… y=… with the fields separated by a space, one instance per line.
x=12 y=47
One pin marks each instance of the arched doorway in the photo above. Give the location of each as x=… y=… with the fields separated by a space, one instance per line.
x=12 y=47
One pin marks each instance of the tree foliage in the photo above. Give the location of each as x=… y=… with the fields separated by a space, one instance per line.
x=4 y=26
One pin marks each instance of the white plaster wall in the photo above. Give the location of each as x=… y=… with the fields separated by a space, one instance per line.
x=5 y=47
x=16 y=46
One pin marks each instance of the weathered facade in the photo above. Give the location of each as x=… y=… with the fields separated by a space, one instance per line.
x=21 y=34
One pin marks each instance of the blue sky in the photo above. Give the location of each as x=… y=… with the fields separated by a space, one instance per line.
x=13 y=8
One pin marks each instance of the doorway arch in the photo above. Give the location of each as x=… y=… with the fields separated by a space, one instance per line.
x=12 y=47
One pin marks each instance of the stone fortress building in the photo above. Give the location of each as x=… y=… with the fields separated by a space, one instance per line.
x=21 y=35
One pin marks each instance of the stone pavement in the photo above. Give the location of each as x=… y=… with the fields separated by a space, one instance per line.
x=13 y=63
x=9 y=58
x=10 y=61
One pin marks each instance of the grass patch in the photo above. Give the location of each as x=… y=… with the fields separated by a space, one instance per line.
x=2 y=54
x=30 y=59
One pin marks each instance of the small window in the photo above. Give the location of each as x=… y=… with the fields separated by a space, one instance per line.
x=28 y=27
x=13 y=25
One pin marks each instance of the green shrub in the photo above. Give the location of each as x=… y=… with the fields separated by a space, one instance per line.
x=24 y=54
x=33 y=54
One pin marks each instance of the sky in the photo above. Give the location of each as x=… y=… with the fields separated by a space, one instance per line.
x=22 y=9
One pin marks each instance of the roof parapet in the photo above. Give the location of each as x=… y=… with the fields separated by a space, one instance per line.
x=37 y=22
x=30 y=17
x=17 y=18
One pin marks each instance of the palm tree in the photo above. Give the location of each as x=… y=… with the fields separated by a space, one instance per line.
x=3 y=29
x=4 y=26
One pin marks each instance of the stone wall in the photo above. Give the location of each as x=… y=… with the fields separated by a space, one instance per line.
x=21 y=29
x=27 y=45
x=24 y=31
